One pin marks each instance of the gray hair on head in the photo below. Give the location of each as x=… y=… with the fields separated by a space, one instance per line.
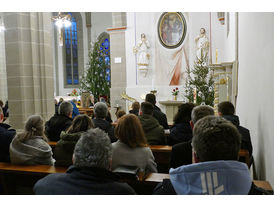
x=101 y=110
x=201 y=111
x=65 y=108
x=93 y=149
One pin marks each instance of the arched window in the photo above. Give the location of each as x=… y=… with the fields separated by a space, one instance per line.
x=71 y=53
x=105 y=48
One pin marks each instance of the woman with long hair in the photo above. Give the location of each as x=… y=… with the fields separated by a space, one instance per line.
x=131 y=149
x=31 y=147
x=65 y=146
x=181 y=130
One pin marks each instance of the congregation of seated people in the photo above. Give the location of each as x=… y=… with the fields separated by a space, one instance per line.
x=92 y=148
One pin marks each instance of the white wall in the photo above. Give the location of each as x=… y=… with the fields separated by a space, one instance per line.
x=100 y=22
x=256 y=96
x=160 y=61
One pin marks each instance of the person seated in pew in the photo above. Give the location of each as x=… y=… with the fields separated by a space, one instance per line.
x=75 y=110
x=6 y=136
x=131 y=149
x=59 y=122
x=119 y=114
x=157 y=113
x=31 y=147
x=100 y=113
x=215 y=169
x=226 y=110
x=135 y=108
x=68 y=139
x=90 y=173
x=154 y=132
x=181 y=130
x=181 y=153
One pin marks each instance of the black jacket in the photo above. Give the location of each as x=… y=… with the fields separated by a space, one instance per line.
x=181 y=132
x=166 y=188
x=136 y=112
x=246 y=140
x=56 y=125
x=82 y=181
x=6 y=136
x=106 y=126
x=181 y=154
x=160 y=116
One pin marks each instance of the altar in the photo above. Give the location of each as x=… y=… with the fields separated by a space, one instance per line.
x=171 y=109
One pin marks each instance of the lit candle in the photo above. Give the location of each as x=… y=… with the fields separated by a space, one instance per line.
x=216 y=56
x=194 y=95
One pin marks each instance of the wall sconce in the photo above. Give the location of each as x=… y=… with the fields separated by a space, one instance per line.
x=2 y=27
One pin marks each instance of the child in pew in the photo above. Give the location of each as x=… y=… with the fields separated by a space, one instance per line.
x=31 y=147
x=131 y=149
x=65 y=146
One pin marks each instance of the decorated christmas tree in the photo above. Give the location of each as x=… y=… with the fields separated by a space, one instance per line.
x=94 y=79
x=200 y=81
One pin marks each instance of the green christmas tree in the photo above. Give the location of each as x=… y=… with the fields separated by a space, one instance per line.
x=201 y=78
x=94 y=79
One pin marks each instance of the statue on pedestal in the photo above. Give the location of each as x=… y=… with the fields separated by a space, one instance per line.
x=202 y=46
x=143 y=55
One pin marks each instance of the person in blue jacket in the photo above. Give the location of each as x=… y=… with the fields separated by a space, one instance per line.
x=75 y=110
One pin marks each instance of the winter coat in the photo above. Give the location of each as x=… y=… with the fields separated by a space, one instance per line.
x=181 y=154
x=56 y=125
x=75 y=110
x=136 y=112
x=141 y=157
x=154 y=132
x=105 y=126
x=65 y=147
x=6 y=136
x=82 y=181
x=33 y=151
x=246 y=140
x=213 y=177
x=160 y=116
x=181 y=132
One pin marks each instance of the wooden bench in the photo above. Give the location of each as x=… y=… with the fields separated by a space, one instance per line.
x=162 y=154
x=20 y=175
x=87 y=111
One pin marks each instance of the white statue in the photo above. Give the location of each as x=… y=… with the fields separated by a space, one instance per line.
x=143 y=55
x=202 y=45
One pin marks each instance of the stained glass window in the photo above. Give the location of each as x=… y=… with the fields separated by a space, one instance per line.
x=105 y=48
x=71 y=53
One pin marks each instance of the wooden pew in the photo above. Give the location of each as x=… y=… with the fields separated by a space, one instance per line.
x=20 y=175
x=87 y=111
x=12 y=176
x=162 y=154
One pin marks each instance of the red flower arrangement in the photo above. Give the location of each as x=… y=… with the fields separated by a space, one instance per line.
x=175 y=91
x=74 y=93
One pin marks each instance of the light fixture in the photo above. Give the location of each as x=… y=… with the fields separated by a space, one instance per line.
x=2 y=27
x=61 y=21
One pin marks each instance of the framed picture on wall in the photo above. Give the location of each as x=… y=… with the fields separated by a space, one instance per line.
x=172 y=29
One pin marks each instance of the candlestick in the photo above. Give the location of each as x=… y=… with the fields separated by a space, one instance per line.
x=216 y=56
x=194 y=95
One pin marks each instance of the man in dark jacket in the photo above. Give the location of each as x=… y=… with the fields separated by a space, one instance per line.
x=157 y=113
x=182 y=153
x=226 y=110
x=154 y=132
x=90 y=173
x=59 y=122
x=101 y=113
x=6 y=136
x=216 y=171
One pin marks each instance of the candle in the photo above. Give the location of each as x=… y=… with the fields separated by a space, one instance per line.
x=194 y=95
x=216 y=56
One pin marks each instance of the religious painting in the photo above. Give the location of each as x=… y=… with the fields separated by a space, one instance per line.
x=172 y=29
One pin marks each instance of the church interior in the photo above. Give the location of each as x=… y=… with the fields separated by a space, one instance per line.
x=120 y=57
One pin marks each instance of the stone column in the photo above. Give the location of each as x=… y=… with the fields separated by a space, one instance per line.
x=28 y=44
x=118 y=60
x=3 y=72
